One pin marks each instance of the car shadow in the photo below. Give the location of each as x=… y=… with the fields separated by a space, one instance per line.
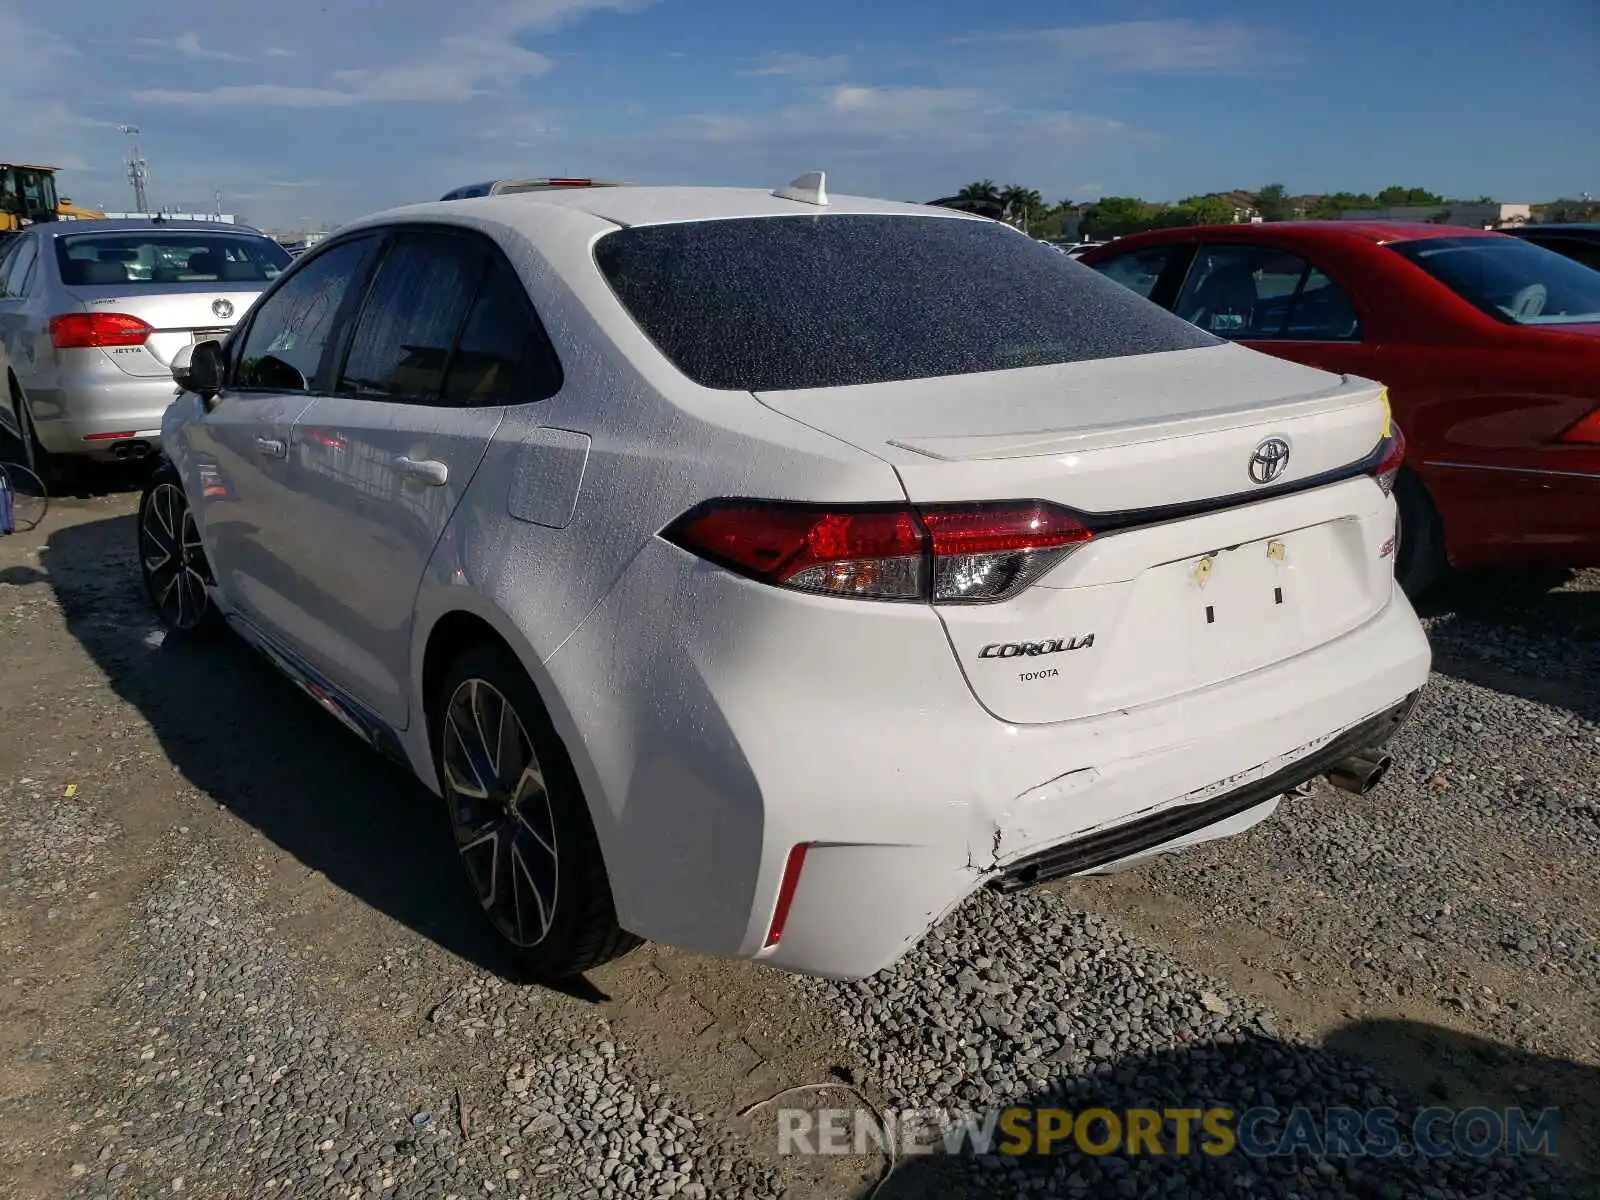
x=1526 y=633
x=1299 y=1152
x=242 y=734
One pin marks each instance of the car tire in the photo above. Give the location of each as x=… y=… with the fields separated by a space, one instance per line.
x=526 y=842
x=52 y=470
x=1420 y=559
x=172 y=560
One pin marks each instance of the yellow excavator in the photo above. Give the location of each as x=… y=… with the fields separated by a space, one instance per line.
x=28 y=194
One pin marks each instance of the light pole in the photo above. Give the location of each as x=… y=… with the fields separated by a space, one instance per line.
x=137 y=172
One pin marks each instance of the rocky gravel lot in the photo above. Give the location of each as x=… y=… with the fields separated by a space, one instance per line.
x=238 y=961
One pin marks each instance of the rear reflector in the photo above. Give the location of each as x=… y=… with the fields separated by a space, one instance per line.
x=786 y=886
x=1585 y=432
x=947 y=554
x=1394 y=454
x=108 y=437
x=84 y=331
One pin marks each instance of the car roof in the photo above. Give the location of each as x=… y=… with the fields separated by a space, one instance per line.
x=1381 y=232
x=634 y=205
x=141 y=225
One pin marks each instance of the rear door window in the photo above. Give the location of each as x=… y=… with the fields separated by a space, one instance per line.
x=1263 y=293
x=19 y=269
x=503 y=355
x=776 y=303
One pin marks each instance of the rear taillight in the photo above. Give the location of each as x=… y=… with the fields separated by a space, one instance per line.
x=1389 y=463
x=1586 y=432
x=84 y=331
x=947 y=554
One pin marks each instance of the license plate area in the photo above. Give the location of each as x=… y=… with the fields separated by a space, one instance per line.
x=209 y=335
x=1234 y=609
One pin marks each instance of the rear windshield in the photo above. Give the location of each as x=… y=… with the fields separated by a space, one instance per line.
x=1508 y=278
x=773 y=303
x=176 y=256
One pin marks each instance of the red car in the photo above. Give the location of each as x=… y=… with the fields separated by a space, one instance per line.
x=1490 y=348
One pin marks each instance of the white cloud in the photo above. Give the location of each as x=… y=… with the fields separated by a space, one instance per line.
x=188 y=46
x=802 y=66
x=34 y=63
x=485 y=58
x=1158 y=47
x=264 y=95
x=461 y=68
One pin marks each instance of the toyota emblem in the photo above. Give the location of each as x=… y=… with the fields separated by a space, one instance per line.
x=223 y=309
x=1269 y=461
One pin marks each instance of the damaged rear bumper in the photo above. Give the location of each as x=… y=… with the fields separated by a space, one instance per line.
x=1177 y=824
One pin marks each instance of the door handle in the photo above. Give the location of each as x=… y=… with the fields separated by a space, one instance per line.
x=272 y=447
x=424 y=470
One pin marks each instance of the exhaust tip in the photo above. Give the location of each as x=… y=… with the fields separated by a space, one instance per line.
x=1360 y=773
x=130 y=451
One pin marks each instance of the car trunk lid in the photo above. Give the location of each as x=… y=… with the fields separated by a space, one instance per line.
x=179 y=315
x=1211 y=557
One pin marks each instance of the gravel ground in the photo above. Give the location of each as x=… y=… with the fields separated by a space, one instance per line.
x=1021 y=1000
x=236 y=1082
x=237 y=972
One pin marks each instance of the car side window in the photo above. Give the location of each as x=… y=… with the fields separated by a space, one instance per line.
x=1262 y=292
x=291 y=331
x=1138 y=270
x=19 y=267
x=503 y=355
x=417 y=304
x=1322 y=312
x=8 y=251
x=1577 y=249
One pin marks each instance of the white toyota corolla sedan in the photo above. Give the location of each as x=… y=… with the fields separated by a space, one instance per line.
x=763 y=572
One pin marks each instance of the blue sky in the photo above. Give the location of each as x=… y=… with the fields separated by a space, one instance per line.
x=310 y=110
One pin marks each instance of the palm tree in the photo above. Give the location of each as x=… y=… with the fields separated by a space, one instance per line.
x=1019 y=202
x=983 y=190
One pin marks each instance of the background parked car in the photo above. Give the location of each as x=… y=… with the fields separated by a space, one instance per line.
x=91 y=313
x=1490 y=346
x=1580 y=243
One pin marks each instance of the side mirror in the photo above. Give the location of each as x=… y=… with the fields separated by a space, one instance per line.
x=198 y=369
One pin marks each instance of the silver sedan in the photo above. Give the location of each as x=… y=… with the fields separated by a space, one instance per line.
x=91 y=313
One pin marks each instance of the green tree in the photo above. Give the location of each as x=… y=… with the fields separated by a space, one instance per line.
x=1273 y=203
x=1114 y=216
x=984 y=189
x=1558 y=212
x=1393 y=197
x=1328 y=208
x=1204 y=210
x=1021 y=204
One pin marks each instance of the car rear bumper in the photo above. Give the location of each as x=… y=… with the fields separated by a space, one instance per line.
x=746 y=721
x=78 y=416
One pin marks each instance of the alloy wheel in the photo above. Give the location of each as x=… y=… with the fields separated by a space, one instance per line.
x=500 y=809
x=174 y=560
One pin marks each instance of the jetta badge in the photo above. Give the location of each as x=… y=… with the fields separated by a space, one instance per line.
x=222 y=309
x=1269 y=461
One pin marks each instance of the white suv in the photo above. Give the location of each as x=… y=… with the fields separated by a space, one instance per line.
x=761 y=573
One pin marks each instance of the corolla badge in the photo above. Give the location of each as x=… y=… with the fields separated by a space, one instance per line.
x=1269 y=461
x=1034 y=649
x=222 y=309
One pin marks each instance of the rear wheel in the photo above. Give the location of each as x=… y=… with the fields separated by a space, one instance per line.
x=51 y=469
x=171 y=558
x=519 y=818
x=1419 y=559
